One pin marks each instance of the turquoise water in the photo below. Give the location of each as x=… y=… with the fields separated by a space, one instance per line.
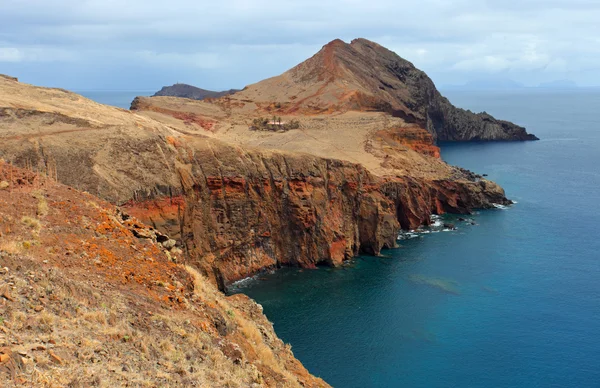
x=513 y=301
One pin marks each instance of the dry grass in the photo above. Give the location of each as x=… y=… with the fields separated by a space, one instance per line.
x=28 y=244
x=42 y=205
x=202 y=287
x=12 y=247
x=248 y=328
x=106 y=338
x=69 y=321
x=32 y=223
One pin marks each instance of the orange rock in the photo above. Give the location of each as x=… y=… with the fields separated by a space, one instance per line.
x=54 y=357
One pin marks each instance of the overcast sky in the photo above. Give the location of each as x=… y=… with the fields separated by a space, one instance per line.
x=221 y=44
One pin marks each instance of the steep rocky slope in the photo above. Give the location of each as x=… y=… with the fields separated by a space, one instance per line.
x=189 y=91
x=89 y=296
x=233 y=210
x=365 y=76
x=245 y=211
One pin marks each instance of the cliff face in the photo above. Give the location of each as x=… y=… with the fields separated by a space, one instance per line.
x=189 y=91
x=413 y=137
x=408 y=92
x=365 y=76
x=247 y=211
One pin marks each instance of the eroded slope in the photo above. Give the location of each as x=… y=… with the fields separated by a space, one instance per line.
x=90 y=297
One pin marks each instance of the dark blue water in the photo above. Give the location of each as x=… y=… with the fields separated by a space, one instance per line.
x=121 y=99
x=511 y=302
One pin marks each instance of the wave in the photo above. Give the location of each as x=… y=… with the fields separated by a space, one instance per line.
x=242 y=283
x=436 y=221
x=436 y=225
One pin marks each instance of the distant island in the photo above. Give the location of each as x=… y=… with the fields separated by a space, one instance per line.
x=192 y=92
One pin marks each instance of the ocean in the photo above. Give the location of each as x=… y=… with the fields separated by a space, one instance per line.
x=513 y=301
x=118 y=98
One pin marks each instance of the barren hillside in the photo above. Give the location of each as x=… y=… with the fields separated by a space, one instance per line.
x=90 y=296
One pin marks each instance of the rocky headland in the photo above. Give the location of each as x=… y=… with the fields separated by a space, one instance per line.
x=192 y=92
x=229 y=200
x=364 y=76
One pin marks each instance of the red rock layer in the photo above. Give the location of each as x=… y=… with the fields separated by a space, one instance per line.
x=162 y=213
x=414 y=137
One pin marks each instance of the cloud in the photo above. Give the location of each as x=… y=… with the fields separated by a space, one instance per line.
x=35 y=54
x=230 y=43
x=194 y=60
x=10 y=54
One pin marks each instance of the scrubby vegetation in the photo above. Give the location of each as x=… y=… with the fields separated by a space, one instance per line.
x=273 y=124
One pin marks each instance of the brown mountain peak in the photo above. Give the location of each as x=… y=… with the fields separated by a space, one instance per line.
x=336 y=42
x=364 y=42
x=365 y=76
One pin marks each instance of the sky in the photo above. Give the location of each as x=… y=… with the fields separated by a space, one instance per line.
x=146 y=44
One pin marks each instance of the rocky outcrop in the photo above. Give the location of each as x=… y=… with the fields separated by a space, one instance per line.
x=408 y=92
x=189 y=91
